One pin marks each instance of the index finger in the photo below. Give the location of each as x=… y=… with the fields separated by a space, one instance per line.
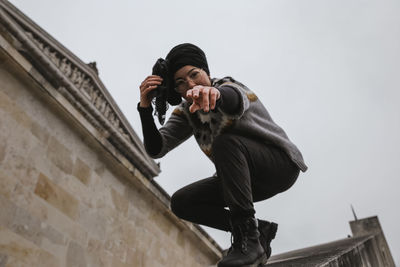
x=189 y=93
x=153 y=77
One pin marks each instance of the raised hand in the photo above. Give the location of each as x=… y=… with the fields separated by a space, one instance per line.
x=146 y=87
x=203 y=97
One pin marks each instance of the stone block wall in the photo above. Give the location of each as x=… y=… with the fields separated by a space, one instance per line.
x=66 y=201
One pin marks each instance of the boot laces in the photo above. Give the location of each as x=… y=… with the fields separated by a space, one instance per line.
x=239 y=238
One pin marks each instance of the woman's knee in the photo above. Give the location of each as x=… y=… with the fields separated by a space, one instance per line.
x=178 y=203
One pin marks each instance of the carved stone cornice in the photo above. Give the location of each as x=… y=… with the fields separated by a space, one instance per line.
x=79 y=84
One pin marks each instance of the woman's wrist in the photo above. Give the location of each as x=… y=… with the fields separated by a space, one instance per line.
x=144 y=103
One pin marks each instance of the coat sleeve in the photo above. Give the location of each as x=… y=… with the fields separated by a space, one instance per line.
x=241 y=97
x=159 y=142
x=175 y=131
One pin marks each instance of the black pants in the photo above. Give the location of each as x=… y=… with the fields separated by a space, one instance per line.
x=247 y=171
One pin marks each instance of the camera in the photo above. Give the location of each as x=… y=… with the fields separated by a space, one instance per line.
x=161 y=92
x=164 y=93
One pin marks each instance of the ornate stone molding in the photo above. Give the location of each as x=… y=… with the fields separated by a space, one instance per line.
x=79 y=83
x=83 y=83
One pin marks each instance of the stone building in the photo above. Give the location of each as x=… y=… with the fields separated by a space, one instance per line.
x=76 y=185
x=366 y=248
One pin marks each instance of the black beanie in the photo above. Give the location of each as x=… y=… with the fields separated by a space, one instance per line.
x=186 y=54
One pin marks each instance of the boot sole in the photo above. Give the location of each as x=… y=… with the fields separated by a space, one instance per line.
x=263 y=261
x=259 y=262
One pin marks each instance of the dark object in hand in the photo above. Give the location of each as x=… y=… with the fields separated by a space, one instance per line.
x=161 y=92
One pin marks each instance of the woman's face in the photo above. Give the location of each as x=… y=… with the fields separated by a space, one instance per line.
x=188 y=77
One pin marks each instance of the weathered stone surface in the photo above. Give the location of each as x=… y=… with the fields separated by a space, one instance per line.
x=40 y=132
x=60 y=155
x=41 y=164
x=96 y=255
x=19 y=167
x=181 y=239
x=46 y=259
x=116 y=242
x=111 y=179
x=75 y=255
x=65 y=225
x=7 y=212
x=3 y=259
x=120 y=203
x=57 y=197
x=23 y=197
x=21 y=252
x=93 y=222
x=52 y=234
x=7 y=185
x=48 y=215
x=136 y=256
x=82 y=171
x=53 y=241
x=116 y=262
x=160 y=220
x=81 y=192
x=27 y=226
x=137 y=198
x=3 y=147
x=9 y=106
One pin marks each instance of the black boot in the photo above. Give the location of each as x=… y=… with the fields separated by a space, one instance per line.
x=267 y=233
x=246 y=249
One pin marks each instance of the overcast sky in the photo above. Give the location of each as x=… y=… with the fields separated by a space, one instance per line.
x=327 y=71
